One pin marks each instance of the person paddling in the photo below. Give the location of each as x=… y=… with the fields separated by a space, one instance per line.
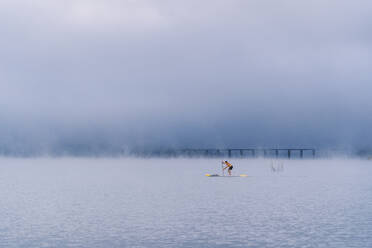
x=229 y=166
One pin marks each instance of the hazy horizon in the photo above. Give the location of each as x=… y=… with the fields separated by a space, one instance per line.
x=105 y=76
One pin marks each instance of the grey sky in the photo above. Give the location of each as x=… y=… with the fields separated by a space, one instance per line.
x=185 y=73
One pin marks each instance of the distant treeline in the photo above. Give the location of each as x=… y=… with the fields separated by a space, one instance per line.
x=82 y=150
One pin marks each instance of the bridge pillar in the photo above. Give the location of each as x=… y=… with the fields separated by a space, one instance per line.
x=229 y=152
x=276 y=153
x=301 y=153
x=289 y=154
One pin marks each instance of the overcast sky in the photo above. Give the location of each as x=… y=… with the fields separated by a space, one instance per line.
x=216 y=73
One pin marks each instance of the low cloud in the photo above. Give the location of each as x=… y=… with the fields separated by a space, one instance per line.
x=184 y=74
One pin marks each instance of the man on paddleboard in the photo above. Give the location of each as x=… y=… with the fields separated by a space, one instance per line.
x=229 y=166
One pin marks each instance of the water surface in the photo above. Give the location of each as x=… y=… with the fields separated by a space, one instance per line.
x=170 y=203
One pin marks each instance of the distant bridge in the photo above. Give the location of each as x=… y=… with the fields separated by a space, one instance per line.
x=252 y=152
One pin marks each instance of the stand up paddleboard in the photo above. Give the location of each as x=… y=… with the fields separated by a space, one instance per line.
x=216 y=175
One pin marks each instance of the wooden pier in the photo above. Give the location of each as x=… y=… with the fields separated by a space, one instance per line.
x=248 y=152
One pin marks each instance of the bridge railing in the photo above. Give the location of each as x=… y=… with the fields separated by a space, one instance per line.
x=248 y=152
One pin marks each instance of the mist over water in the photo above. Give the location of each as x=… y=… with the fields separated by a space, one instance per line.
x=94 y=77
x=170 y=203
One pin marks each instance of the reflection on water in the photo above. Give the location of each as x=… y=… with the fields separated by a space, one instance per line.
x=170 y=203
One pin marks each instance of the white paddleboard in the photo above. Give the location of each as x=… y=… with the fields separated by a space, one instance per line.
x=216 y=175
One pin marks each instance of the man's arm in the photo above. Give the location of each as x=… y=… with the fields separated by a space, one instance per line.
x=224 y=163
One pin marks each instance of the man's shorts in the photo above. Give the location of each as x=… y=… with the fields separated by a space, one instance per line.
x=231 y=167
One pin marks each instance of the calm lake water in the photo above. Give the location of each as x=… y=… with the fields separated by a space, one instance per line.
x=170 y=203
